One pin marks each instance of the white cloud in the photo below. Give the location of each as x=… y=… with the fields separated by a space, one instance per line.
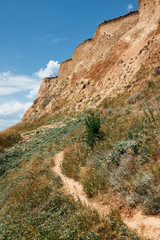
x=5 y=123
x=10 y=83
x=11 y=108
x=12 y=112
x=130 y=7
x=51 y=69
x=33 y=93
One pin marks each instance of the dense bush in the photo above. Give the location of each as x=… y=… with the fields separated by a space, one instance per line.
x=152 y=206
x=8 y=139
x=157 y=71
x=143 y=193
x=121 y=149
x=93 y=125
x=10 y=160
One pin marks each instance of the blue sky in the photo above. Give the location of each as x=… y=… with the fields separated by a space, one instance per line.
x=36 y=36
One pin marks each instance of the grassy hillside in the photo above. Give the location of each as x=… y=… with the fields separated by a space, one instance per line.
x=117 y=161
x=32 y=203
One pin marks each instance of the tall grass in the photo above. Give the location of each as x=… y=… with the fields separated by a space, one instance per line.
x=74 y=158
x=8 y=139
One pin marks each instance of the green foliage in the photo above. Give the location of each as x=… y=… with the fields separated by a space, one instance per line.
x=35 y=208
x=143 y=185
x=143 y=192
x=57 y=139
x=152 y=206
x=1 y=150
x=122 y=148
x=157 y=71
x=93 y=125
x=8 y=139
x=116 y=224
x=10 y=160
x=61 y=218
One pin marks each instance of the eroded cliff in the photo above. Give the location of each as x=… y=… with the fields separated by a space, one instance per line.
x=105 y=65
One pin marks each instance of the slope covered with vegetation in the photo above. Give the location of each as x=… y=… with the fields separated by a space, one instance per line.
x=113 y=152
x=33 y=205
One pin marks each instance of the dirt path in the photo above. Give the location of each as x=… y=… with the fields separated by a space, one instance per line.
x=72 y=187
x=145 y=225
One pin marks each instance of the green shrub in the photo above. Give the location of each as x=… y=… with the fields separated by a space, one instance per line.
x=144 y=193
x=157 y=71
x=8 y=139
x=113 y=159
x=1 y=150
x=152 y=206
x=10 y=160
x=93 y=125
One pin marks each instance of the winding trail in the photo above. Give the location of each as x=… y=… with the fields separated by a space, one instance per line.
x=146 y=226
x=72 y=187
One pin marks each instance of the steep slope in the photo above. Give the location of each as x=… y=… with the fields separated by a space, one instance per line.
x=106 y=65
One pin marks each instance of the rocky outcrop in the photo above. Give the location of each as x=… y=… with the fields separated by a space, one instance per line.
x=105 y=64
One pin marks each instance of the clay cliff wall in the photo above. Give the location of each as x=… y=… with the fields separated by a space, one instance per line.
x=99 y=48
x=97 y=60
x=65 y=69
x=148 y=8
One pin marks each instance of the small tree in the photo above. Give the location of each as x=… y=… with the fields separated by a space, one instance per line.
x=93 y=125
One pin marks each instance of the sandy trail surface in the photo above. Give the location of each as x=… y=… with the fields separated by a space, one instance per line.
x=147 y=226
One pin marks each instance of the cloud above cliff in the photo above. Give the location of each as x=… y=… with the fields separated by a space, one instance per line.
x=33 y=93
x=10 y=108
x=11 y=112
x=10 y=83
x=51 y=69
x=130 y=7
x=5 y=123
x=17 y=92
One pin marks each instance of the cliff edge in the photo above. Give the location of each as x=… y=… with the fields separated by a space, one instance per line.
x=105 y=65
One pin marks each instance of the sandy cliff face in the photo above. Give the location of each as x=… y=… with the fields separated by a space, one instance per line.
x=104 y=65
x=148 y=8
